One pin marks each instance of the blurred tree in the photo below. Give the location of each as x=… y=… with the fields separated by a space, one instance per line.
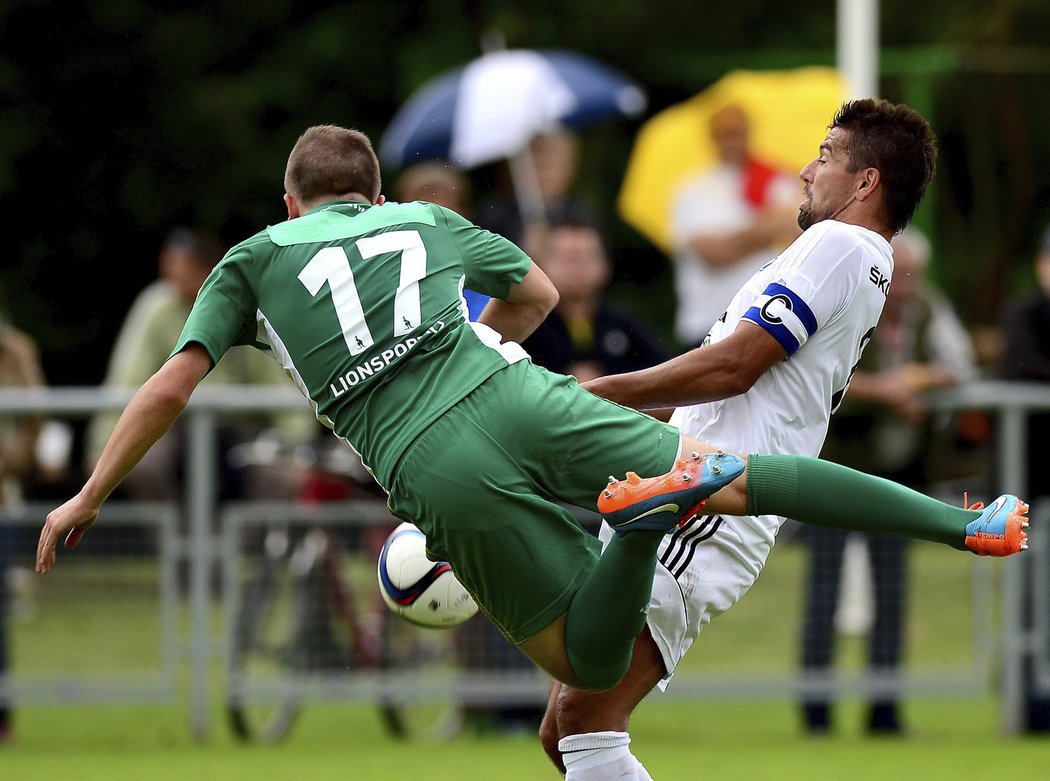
x=121 y=118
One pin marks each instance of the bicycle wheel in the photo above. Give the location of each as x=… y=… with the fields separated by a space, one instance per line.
x=261 y=702
x=421 y=701
x=285 y=633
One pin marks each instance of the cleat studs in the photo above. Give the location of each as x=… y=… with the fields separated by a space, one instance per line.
x=608 y=494
x=612 y=480
x=686 y=478
x=695 y=456
x=716 y=469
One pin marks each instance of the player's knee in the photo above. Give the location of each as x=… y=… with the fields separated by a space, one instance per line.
x=549 y=738
x=579 y=712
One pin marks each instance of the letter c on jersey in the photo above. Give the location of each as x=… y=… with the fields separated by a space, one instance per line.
x=770 y=308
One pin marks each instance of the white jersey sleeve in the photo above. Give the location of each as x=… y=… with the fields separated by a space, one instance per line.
x=821 y=299
x=815 y=282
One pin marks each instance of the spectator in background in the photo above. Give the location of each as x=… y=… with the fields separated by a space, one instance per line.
x=145 y=340
x=1025 y=356
x=1026 y=353
x=585 y=336
x=554 y=157
x=439 y=182
x=726 y=223
x=19 y=368
x=884 y=428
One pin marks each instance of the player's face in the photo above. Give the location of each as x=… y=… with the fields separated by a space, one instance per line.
x=828 y=183
x=184 y=270
x=574 y=260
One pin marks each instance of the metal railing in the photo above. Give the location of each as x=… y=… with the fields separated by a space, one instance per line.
x=157 y=682
x=1009 y=404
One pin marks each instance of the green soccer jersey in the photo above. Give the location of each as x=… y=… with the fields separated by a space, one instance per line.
x=363 y=307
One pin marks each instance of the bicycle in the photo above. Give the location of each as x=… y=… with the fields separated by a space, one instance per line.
x=308 y=618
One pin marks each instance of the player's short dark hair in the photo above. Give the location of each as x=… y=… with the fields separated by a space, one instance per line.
x=328 y=161
x=899 y=142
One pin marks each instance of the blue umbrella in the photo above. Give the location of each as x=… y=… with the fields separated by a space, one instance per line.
x=490 y=108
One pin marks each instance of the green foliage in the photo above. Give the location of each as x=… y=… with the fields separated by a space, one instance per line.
x=123 y=118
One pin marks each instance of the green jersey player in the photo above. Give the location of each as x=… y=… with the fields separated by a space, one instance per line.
x=361 y=302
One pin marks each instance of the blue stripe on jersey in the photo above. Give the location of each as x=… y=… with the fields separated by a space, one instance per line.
x=769 y=312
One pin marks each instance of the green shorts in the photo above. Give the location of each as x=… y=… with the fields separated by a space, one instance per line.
x=484 y=483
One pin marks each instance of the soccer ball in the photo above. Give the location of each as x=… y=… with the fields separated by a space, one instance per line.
x=419 y=590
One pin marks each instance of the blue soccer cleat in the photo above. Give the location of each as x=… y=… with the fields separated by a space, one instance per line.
x=661 y=503
x=1000 y=528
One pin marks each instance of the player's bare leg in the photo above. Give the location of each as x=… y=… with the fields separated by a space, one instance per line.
x=592 y=727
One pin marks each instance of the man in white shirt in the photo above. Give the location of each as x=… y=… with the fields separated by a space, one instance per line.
x=725 y=223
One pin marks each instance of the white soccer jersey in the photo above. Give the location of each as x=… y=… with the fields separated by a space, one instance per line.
x=821 y=299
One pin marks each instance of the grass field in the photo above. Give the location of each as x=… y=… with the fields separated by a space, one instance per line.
x=951 y=740
x=108 y=621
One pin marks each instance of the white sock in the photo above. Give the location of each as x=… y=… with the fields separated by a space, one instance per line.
x=600 y=756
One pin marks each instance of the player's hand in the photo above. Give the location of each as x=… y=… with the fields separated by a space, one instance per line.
x=70 y=520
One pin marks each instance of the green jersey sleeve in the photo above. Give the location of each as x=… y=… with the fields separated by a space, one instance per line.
x=491 y=262
x=224 y=313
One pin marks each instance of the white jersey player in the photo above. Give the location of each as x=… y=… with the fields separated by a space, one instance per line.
x=820 y=300
x=767 y=379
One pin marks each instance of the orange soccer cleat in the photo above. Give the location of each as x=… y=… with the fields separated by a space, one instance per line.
x=1000 y=529
x=663 y=502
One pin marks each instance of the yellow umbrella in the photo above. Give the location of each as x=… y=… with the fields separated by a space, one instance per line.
x=789 y=113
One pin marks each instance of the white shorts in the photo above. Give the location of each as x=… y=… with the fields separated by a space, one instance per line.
x=703 y=569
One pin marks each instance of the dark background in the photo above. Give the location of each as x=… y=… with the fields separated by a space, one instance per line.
x=122 y=118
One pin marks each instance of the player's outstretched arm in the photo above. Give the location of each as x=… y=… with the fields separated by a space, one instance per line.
x=149 y=414
x=717 y=371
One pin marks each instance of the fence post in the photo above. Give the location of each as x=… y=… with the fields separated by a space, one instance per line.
x=1013 y=445
x=201 y=470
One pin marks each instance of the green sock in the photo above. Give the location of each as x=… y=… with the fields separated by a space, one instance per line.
x=608 y=612
x=822 y=493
